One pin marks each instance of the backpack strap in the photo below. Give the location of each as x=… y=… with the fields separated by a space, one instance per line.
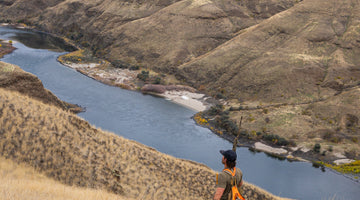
x=231 y=173
x=234 y=190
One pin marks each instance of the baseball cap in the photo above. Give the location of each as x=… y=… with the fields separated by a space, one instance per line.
x=230 y=155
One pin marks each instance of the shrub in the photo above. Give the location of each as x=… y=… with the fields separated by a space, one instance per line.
x=220 y=96
x=330 y=148
x=120 y=64
x=317 y=148
x=136 y=67
x=144 y=75
x=215 y=110
x=157 y=80
x=306 y=112
x=251 y=119
x=335 y=139
x=265 y=111
x=267 y=120
x=224 y=122
x=234 y=109
x=85 y=44
x=275 y=139
x=354 y=139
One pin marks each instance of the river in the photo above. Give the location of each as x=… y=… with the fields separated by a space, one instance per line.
x=166 y=126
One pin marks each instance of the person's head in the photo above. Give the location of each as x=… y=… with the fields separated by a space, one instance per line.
x=229 y=158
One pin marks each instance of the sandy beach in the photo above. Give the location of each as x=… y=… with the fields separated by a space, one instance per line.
x=125 y=78
x=194 y=101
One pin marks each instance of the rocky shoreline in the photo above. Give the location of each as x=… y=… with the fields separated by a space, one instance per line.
x=6 y=47
x=292 y=154
x=190 y=98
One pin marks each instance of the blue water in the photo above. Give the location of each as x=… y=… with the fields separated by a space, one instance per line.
x=168 y=127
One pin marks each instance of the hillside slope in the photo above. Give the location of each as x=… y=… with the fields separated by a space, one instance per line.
x=14 y=78
x=305 y=53
x=158 y=34
x=18 y=181
x=68 y=149
x=295 y=74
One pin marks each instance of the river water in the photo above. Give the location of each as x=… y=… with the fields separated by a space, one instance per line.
x=166 y=126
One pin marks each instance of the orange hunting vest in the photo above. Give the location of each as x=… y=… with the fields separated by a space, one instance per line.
x=234 y=190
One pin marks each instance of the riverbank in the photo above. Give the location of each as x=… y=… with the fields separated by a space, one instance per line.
x=103 y=71
x=14 y=78
x=331 y=159
x=188 y=97
x=6 y=47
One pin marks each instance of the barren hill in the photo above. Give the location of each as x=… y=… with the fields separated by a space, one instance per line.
x=305 y=53
x=159 y=34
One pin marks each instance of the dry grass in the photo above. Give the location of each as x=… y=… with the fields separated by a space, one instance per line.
x=68 y=149
x=14 y=78
x=333 y=123
x=18 y=181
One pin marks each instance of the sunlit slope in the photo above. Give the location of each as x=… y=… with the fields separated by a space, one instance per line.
x=14 y=78
x=303 y=54
x=70 y=150
x=156 y=34
x=18 y=181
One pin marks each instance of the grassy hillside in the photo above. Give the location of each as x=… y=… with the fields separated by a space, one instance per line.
x=68 y=149
x=14 y=78
x=18 y=181
x=303 y=54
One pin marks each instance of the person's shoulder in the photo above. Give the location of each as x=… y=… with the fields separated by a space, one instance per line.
x=238 y=171
x=224 y=175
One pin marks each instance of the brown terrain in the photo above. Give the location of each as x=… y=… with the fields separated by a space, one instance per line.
x=14 y=78
x=290 y=68
x=5 y=48
x=64 y=147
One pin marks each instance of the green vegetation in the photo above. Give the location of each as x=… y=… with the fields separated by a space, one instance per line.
x=348 y=168
x=79 y=56
x=224 y=121
x=144 y=75
x=5 y=67
x=147 y=77
x=217 y=117
x=317 y=148
x=120 y=64
x=277 y=140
